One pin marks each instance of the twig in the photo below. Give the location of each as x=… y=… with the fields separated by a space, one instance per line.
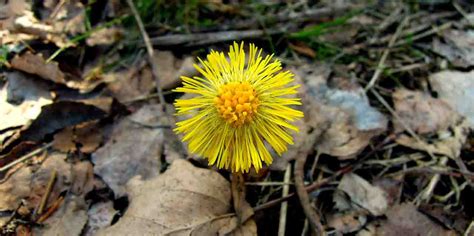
x=457 y=159
x=424 y=34
x=310 y=188
x=284 y=205
x=269 y=183
x=426 y=194
x=469 y=229
x=25 y=157
x=56 y=204
x=241 y=206
x=44 y=200
x=463 y=13
x=384 y=57
x=210 y=38
x=149 y=49
x=408 y=67
x=313 y=217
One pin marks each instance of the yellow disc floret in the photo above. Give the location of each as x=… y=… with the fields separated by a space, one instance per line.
x=237 y=103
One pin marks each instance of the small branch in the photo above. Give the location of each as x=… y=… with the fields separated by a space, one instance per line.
x=426 y=194
x=210 y=38
x=310 y=188
x=284 y=205
x=25 y=157
x=384 y=57
x=149 y=49
x=49 y=188
x=313 y=216
x=425 y=34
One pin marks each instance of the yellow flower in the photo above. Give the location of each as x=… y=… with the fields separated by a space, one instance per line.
x=240 y=103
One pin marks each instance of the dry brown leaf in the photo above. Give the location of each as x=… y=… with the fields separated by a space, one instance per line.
x=405 y=219
x=456 y=220
x=449 y=142
x=14 y=189
x=138 y=81
x=10 y=11
x=347 y=223
x=83 y=178
x=127 y=85
x=85 y=137
x=67 y=20
x=54 y=117
x=21 y=100
x=37 y=65
x=341 y=112
x=134 y=148
x=105 y=36
x=69 y=219
x=100 y=215
x=457 y=89
x=31 y=185
x=421 y=112
x=362 y=195
x=185 y=200
x=303 y=49
x=440 y=127
x=170 y=68
x=459 y=47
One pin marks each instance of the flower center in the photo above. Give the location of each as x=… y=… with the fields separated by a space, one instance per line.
x=237 y=103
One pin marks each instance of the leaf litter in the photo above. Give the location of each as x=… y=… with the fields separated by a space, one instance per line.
x=78 y=98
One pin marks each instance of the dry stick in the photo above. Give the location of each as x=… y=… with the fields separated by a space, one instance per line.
x=463 y=13
x=313 y=216
x=469 y=229
x=310 y=188
x=428 y=191
x=415 y=136
x=25 y=157
x=49 y=188
x=269 y=183
x=210 y=38
x=381 y=64
x=284 y=206
x=149 y=49
x=425 y=34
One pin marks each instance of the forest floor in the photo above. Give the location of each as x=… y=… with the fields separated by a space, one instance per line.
x=87 y=146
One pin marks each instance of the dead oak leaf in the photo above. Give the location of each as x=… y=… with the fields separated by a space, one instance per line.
x=171 y=68
x=421 y=112
x=129 y=84
x=133 y=148
x=10 y=11
x=185 y=200
x=340 y=111
x=30 y=183
x=362 y=195
x=440 y=128
x=405 y=219
x=458 y=47
x=37 y=65
x=85 y=137
x=21 y=100
x=448 y=142
x=457 y=89
x=69 y=219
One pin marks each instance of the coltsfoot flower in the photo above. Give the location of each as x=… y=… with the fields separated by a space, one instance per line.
x=240 y=103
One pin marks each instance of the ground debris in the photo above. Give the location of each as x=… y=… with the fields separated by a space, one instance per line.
x=183 y=200
x=119 y=160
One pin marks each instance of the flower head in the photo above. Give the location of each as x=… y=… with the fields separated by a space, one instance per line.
x=240 y=103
